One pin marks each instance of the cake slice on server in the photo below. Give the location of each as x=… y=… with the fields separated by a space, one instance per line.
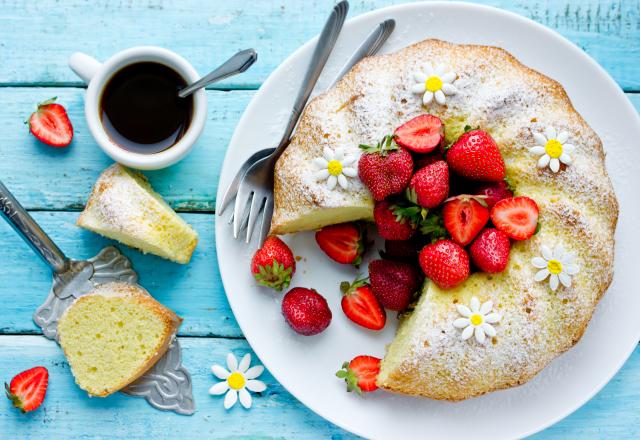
x=113 y=335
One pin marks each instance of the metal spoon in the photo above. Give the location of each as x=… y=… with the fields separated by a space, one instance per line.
x=238 y=63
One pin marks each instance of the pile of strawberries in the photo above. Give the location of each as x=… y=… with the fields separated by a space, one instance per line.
x=444 y=212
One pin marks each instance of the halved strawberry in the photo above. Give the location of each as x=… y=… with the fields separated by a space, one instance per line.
x=517 y=217
x=50 y=124
x=361 y=306
x=360 y=374
x=343 y=242
x=28 y=389
x=422 y=134
x=464 y=217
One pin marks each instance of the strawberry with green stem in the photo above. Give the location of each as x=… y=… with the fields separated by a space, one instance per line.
x=273 y=264
x=360 y=374
x=385 y=169
x=361 y=306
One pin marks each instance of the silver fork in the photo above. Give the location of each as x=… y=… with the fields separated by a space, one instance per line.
x=370 y=46
x=256 y=186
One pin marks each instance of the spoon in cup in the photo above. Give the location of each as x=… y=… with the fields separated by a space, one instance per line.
x=238 y=63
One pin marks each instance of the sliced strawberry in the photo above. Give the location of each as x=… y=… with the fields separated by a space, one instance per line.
x=517 y=217
x=464 y=217
x=343 y=242
x=422 y=134
x=361 y=306
x=360 y=374
x=28 y=389
x=51 y=125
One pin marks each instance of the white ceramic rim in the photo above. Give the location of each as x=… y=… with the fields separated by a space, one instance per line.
x=626 y=108
x=92 y=102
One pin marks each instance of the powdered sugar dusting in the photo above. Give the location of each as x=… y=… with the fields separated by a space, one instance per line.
x=577 y=208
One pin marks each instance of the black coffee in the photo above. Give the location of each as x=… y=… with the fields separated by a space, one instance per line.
x=141 y=110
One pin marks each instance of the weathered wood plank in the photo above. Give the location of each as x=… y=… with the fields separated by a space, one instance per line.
x=194 y=291
x=38 y=37
x=69 y=413
x=42 y=177
x=62 y=179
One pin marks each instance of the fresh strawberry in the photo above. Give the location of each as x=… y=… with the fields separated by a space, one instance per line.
x=343 y=242
x=27 y=389
x=361 y=306
x=50 y=124
x=306 y=311
x=393 y=283
x=464 y=217
x=273 y=264
x=445 y=263
x=517 y=217
x=360 y=374
x=392 y=225
x=422 y=134
x=475 y=155
x=490 y=251
x=430 y=185
x=385 y=169
x=494 y=192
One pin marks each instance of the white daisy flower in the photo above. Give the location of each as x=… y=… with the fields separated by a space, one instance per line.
x=558 y=265
x=434 y=83
x=335 y=167
x=238 y=380
x=477 y=319
x=552 y=148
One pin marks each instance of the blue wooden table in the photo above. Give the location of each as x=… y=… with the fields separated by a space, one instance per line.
x=36 y=38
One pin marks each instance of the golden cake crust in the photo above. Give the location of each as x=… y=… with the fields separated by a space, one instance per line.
x=170 y=324
x=578 y=209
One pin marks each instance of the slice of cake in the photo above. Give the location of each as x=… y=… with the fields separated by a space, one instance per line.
x=113 y=335
x=124 y=207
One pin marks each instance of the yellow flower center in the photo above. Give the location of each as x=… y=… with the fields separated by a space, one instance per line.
x=476 y=319
x=334 y=167
x=236 y=381
x=554 y=266
x=433 y=83
x=553 y=148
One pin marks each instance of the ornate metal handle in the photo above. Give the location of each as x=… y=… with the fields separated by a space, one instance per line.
x=29 y=230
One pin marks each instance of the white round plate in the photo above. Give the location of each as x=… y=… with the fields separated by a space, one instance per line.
x=306 y=365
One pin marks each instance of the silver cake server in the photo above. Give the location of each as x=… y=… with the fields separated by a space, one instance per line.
x=167 y=385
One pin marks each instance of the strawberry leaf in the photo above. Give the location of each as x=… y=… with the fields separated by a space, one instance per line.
x=386 y=145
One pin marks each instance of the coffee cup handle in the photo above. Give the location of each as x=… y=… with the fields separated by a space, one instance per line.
x=84 y=66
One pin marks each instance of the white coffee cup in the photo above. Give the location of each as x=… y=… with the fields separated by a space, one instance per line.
x=97 y=75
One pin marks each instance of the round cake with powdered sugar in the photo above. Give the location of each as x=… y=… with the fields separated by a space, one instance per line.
x=540 y=305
